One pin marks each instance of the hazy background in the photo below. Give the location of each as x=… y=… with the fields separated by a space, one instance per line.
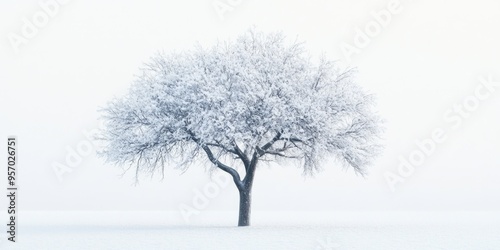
x=426 y=60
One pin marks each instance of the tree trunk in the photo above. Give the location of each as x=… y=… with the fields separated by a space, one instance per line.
x=246 y=193
x=245 y=203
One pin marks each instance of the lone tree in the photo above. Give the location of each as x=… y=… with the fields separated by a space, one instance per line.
x=238 y=104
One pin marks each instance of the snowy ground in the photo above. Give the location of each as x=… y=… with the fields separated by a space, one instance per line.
x=270 y=230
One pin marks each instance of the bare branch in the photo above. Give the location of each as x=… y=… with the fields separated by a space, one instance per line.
x=222 y=166
x=261 y=151
x=241 y=155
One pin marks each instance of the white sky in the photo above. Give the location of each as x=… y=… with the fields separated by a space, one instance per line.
x=425 y=61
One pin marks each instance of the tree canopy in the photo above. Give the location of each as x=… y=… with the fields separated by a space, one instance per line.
x=256 y=98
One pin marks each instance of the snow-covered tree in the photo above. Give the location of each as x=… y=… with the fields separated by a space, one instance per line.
x=237 y=104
